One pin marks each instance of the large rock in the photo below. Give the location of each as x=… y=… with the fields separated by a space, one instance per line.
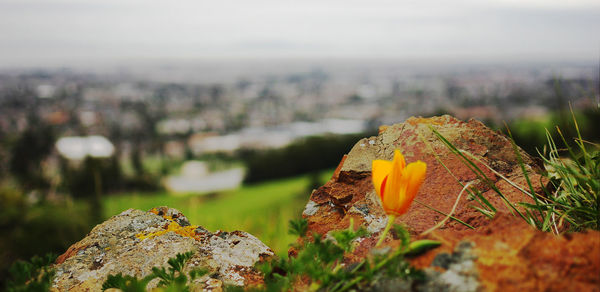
x=503 y=254
x=135 y=241
x=350 y=193
x=510 y=255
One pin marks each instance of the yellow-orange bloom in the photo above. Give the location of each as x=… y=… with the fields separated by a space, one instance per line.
x=396 y=183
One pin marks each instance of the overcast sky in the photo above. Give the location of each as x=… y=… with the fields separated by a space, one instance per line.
x=63 y=32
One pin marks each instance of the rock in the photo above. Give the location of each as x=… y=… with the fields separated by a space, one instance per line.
x=504 y=254
x=510 y=255
x=135 y=241
x=460 y=272
x=350 y=193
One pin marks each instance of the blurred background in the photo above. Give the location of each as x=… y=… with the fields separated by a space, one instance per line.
x=234 y=111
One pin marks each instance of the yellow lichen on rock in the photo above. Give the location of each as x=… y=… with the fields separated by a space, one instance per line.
x=187 y=231
x=429 y=121
x=155 y=211
x=229 y=256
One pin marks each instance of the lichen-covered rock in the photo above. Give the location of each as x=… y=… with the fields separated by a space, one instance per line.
x=135 y=241
x=504 y=254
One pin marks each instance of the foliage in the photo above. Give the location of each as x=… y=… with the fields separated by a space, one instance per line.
x=81 y=181
x=35 y=275
x=530 y=135
x=298 y=227
x=126 y=283
x=303 y=156
x=569 y=202
x=574 y=186
x=171 y=279
x=319 y=263
x=25 y=223
x=31 y=147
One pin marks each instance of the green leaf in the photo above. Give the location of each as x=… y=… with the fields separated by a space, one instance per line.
x=345 y=237
x=126 y=283
x=298 y=227
x=179 y=261
x=197 y=273
x=421 y=246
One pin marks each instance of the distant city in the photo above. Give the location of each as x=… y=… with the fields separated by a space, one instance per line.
x=215 y=107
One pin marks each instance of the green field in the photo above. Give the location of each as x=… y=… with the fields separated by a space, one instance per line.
x=261 y=209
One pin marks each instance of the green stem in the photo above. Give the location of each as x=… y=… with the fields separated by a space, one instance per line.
x=314 y=287
x=336 y=268
x=391 y=219
x=376 y=267
x=351 y=283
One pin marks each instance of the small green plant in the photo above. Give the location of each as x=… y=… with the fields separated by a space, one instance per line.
x=572 y=195
x=35 y=275
x=126 y=283
x=171 y=279
x=298 y=227
x=319 y=263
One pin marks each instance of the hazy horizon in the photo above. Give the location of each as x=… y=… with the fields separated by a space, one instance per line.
x=36 y=33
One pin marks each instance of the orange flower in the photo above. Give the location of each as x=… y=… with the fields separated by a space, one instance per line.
x=396 y=183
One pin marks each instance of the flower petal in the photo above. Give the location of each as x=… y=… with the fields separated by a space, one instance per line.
x=380 y=170
x=394 y=181
x=399 y=158
x=414 y=176
x=394 y=184
x=406 y=189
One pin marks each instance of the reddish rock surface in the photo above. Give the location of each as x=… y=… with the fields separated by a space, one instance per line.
x=510 y=254
x=513 y=256
x=350 y=193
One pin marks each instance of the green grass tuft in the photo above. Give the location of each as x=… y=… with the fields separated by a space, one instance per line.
x=569 y=201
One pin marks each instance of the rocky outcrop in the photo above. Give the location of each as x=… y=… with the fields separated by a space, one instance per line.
x=350 y=193
x=504 y=254
x=135 y=241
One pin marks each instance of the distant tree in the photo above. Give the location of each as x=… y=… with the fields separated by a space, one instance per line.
x=3 y=153
x=136 y=159
x=30 y=149
x=94 y=177
x=104 y=173
x=303 y=156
